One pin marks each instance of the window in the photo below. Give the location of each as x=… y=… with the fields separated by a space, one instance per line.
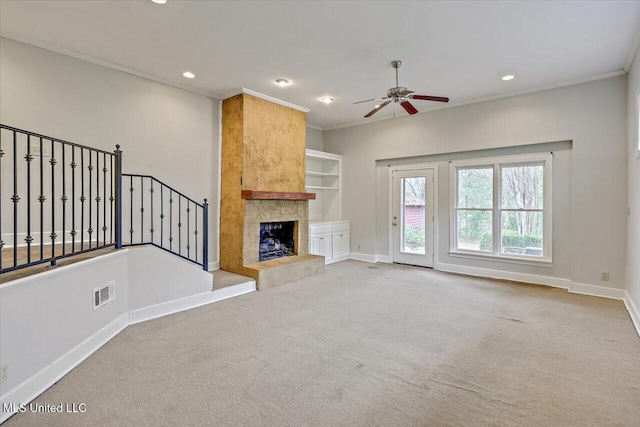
x=502 y=208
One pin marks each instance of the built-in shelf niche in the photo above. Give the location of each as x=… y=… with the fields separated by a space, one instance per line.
x=324 y=177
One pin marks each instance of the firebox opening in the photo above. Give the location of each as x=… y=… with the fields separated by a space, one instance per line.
x=277 y=240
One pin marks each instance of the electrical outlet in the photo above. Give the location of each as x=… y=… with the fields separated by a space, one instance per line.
x=4 y=372
x=604 y=276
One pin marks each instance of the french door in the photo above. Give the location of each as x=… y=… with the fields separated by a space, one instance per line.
x=412 y=217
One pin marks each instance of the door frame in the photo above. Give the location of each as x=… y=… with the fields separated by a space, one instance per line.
x=436 y=233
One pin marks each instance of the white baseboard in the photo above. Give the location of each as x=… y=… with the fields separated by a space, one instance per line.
x=44 y=379
x=362 y=257
x=37 y=384
x=338 y=259
x=369 y=257
x=506 y=275
x=597 y=291
x=214 y=266
x=633 y=311
x=193 y=301
x=573 y=287
x=41 y=381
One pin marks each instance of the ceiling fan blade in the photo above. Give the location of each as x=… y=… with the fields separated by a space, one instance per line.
x=376 y=109
x=369 y=100
x=409 y=107
x=406 y=92
x=429 y=98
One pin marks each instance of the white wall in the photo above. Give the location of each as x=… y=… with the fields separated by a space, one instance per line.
x=590 y=233
x=163 y=131
x=314 y=139
x=156 y=277
x=48 y=324
x=47 y=317
x=633 y=176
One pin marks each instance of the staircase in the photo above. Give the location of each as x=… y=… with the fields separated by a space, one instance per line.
x=59 y=199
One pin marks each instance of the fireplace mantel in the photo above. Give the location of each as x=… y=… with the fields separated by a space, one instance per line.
x=276 y=195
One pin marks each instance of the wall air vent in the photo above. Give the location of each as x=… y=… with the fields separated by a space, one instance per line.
x=103 y=294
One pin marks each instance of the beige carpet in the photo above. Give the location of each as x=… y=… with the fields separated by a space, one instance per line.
x=362 y=345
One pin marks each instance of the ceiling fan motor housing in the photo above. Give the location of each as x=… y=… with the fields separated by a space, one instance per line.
x=397 y=92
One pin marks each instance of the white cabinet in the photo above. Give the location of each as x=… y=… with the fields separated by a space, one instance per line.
x=340 y=245
x=331 y=240
x=320 y=244
x=323 y=177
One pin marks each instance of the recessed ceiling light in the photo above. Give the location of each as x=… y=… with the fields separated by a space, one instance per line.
x=188 y=74
x=326 y=99
x=508 y=77
x=283 y=82
x=159 y=1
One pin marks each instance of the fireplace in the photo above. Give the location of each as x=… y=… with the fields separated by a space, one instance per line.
x=262 y=183
x=277 y=240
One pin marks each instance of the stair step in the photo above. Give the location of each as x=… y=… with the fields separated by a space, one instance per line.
x=223 y=279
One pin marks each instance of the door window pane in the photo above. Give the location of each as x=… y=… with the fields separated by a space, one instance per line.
x=475 y=230
x=413 y=220
x=522 y=233
x=475 y=188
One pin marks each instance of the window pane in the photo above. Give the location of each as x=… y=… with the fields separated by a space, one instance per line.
x=522 y=187
x=522 y=233
x=413 y=232
x=475 y=188
x=474 y=230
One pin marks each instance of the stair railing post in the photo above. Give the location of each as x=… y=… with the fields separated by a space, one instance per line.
x=118 y=187
x=205 y=235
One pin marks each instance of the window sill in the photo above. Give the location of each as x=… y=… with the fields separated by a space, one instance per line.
x=543 y=262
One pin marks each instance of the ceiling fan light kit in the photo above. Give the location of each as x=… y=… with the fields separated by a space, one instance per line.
x=402 y=95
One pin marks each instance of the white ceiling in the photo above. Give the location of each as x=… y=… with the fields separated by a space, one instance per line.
x=340 y=49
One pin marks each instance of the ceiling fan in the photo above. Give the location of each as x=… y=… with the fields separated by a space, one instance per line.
x=402 y=95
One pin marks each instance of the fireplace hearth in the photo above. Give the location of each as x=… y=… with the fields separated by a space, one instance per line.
x=277 y=240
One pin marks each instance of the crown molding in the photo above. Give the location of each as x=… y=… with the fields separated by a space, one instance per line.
x=632 y=53
x=235 y=92
x=274 y=100
x=541 y=88
x=107 y=64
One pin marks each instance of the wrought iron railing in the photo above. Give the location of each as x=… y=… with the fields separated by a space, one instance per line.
x=56 y=198
x=59 y=199
x=157 y=214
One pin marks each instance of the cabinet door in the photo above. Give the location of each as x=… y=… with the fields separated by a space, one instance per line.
x=320 y=244
x=341 y=245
